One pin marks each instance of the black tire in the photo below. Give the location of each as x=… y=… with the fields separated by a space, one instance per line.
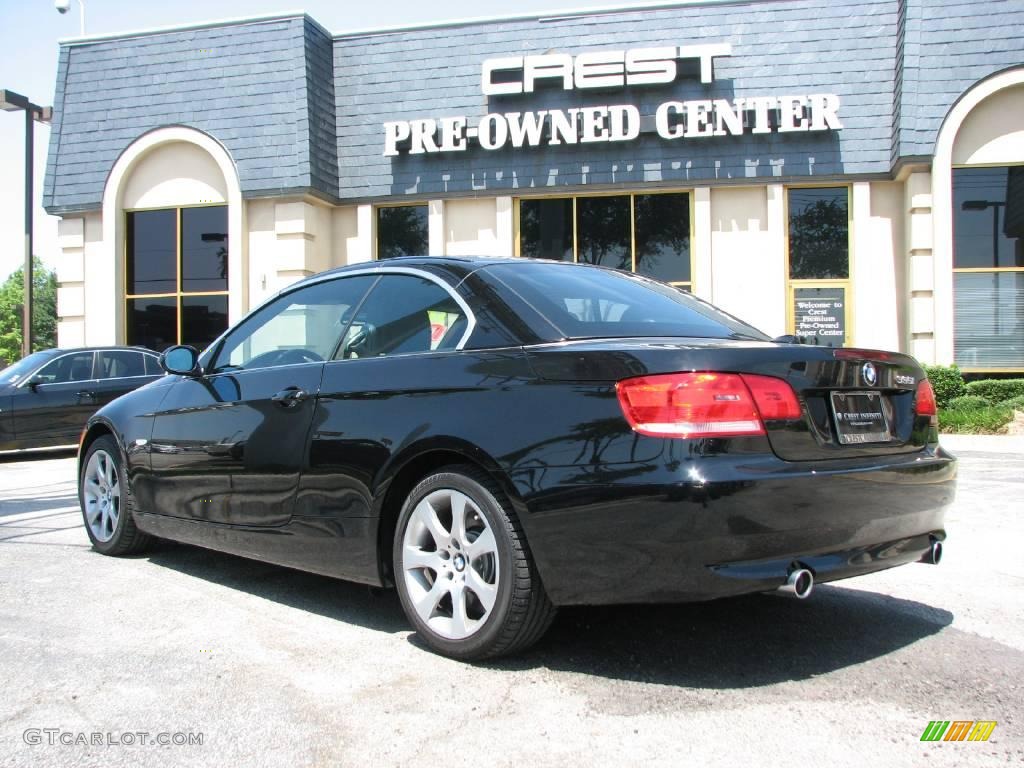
x=127 y=539
x=522 y=612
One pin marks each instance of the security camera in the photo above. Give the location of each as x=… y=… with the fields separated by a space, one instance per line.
x=62 y=6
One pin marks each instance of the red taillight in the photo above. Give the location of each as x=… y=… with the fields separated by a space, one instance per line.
x=775 y=399
x=705 y=404
x=924 y=403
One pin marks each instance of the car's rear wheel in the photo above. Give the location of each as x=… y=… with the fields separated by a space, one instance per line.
x=106 y=501
x=463 y=569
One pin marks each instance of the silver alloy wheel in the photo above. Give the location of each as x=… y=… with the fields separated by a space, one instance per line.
x=450 y=564
x=102 y=494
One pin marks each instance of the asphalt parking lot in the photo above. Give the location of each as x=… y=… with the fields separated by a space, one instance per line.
x=276 y=667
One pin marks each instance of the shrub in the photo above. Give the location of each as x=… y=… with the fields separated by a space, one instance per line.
x=996 y=390
x=1017 y=403
x=968 y=403
x=979 y=421
x=946 y=381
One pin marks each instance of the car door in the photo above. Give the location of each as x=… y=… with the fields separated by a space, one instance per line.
x=119 y=371
x=52 y=406
x=373 y=395
x=228 y=445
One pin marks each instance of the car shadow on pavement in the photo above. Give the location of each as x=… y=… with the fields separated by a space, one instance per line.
x=29 y=502
x=12 y=457
x=739 y=642
x=332 y=598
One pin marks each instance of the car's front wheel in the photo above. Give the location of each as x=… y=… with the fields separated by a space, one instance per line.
x=106 y=501
x=463 y=569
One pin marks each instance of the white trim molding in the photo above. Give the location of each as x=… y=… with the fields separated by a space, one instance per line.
x=942 y=203
x=108 y=290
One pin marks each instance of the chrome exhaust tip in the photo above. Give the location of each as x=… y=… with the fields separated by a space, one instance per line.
x=799 y=583
x=934 y=554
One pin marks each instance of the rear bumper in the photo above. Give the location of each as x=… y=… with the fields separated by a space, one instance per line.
x=708 y=527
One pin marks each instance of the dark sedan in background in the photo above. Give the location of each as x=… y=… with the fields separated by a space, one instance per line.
x=496 y=437
x=46 y=398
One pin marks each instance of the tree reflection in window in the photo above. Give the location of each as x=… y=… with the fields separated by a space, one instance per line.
x=402 y=231
x=819 y=234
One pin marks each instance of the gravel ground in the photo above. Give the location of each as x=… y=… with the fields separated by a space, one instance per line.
x=276 y=667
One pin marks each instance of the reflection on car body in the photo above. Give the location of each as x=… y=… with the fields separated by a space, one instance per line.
x=46 y=398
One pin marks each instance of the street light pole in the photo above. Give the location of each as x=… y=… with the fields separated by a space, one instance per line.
x=10 y=102
x=26 y=305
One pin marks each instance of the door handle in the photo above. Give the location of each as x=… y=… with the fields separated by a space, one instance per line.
x=86 y=395
x=290 y=397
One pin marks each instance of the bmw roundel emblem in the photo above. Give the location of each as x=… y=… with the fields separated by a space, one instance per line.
x=870 y=374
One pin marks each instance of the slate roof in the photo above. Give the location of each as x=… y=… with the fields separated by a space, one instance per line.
x=301 y=111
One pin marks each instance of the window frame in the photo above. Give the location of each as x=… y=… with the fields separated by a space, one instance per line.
x=976 y=270
x=397 y=204
x=178 y=295
x=374 y=269
x=52 y=361
x=688 y=285
x=97 y=364
x=845 y=283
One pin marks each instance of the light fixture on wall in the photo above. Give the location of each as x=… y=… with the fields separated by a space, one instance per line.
x=12 y=102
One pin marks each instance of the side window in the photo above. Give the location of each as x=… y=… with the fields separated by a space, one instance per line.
x=120 y=363
x=404 y=314
x=153 y=365
x=76 y=367
x=300 y=327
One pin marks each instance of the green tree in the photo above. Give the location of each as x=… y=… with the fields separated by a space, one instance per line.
x=44 y=311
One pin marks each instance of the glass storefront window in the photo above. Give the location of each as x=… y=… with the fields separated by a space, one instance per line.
x=402 y=230
x=176 y=276
x=819 y=234
x=819 y=264
x=204 y=249
x=152 y=262
x=545 y=228
x=648 y=234
x=603 y=231
x=988 y=265
x=153 y=322
x=663 y=237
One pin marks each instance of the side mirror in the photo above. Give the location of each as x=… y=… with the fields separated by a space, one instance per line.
x=181 y=360
x=34 y=382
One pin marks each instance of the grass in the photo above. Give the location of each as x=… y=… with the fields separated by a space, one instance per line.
x=975 y=421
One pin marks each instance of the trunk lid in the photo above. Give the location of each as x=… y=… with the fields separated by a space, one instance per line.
x=854 y=402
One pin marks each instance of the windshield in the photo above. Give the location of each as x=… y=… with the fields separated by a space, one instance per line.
x=584 y=302
x=12 y=373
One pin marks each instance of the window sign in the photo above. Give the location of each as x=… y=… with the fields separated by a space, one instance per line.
x=819 y=315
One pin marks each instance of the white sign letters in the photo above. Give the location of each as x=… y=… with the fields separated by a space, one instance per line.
x=672 y=120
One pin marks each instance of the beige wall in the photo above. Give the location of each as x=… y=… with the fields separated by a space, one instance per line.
x=878 y=266
x=177 y=173
x=471 y=227
x=78 y=240
x=288 y=240
x=747 y=258
x=994 y=131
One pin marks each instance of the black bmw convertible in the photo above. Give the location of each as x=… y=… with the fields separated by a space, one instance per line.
x=498 y=437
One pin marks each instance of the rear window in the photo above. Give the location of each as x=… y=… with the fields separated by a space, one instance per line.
x=585 y=302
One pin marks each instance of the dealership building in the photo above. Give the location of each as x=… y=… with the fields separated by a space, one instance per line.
x=852 y=172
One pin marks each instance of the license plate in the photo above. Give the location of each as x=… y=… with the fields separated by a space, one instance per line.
x=861 y=417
